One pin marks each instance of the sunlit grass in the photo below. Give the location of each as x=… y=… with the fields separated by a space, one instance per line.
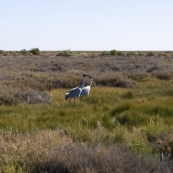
x=112 y=107
x=140 y=119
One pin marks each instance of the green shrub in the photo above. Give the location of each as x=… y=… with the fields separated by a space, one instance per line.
x=24 y=52
x=65 y=53
x=132 y=54
x=113 y=52
x=35 y=51
x=150 y=54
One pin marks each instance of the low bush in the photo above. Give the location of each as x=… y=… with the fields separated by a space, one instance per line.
x=33 y=96
x=7 y=96
x=11 y=96
x=24 y=52
x=150 y=53
x=116 y=80
x=35 y=51
x=65 y=53
x=163 y=76
x=132 y=54
x=113 y=52
x=52 y=151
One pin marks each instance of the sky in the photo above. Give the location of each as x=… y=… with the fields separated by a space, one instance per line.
x=86 y=25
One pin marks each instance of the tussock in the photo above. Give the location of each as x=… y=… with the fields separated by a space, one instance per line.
x=52 y=151
x=11 y=96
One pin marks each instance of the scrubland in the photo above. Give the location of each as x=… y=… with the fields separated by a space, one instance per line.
x=126 y=125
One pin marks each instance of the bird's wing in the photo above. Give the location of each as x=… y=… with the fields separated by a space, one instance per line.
x=75 y=92
x=73 y=89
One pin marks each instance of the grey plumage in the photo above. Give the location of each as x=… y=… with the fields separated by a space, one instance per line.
x=75 y=92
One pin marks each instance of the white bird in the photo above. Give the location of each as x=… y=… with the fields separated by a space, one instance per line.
x=75 y=92
x=86 y=90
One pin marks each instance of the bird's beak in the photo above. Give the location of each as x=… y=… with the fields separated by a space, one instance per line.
x=91 y=77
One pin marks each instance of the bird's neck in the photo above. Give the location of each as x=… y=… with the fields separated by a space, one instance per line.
x=90 y=82
x=83 y=81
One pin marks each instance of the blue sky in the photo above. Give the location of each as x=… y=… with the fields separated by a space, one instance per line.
x=86 y=24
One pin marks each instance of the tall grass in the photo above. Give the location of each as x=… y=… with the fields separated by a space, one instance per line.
x=137 y=118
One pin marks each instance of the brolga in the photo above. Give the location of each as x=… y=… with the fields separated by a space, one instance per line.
x=75 y=92
x=86 y=90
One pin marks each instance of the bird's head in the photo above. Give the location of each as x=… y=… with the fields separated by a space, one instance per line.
x=90 y=77
x=84 y=75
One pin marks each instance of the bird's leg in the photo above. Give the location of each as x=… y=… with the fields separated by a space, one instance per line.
x=74 y=102
x=71 y=103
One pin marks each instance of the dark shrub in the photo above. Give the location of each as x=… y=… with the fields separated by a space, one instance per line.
x=113 y=52
x=35 y=51
x=150 y=54
x=24 y=52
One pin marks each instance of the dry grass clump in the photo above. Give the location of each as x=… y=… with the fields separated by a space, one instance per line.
x=7 y=96
x=165 y=146
x=115 y=80
x=51 y=151
x=12 y=96
x=163 y=75
x=31 y=96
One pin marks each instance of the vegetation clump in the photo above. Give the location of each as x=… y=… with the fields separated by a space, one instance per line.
x=65 y=53
x=113 y=52
x=35 y=51
x=150 y=53
x=24 y=52
x=132 y=54
x=13 y=96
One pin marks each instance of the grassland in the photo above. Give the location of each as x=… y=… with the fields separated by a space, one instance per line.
x=125 y=126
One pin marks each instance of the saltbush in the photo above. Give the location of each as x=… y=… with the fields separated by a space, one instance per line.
x=65 y=53
x=113 y=52
x=24 y=52
x=35 y=51
x=150 y=53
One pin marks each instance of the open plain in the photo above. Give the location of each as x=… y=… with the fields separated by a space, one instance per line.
x=126 y=125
